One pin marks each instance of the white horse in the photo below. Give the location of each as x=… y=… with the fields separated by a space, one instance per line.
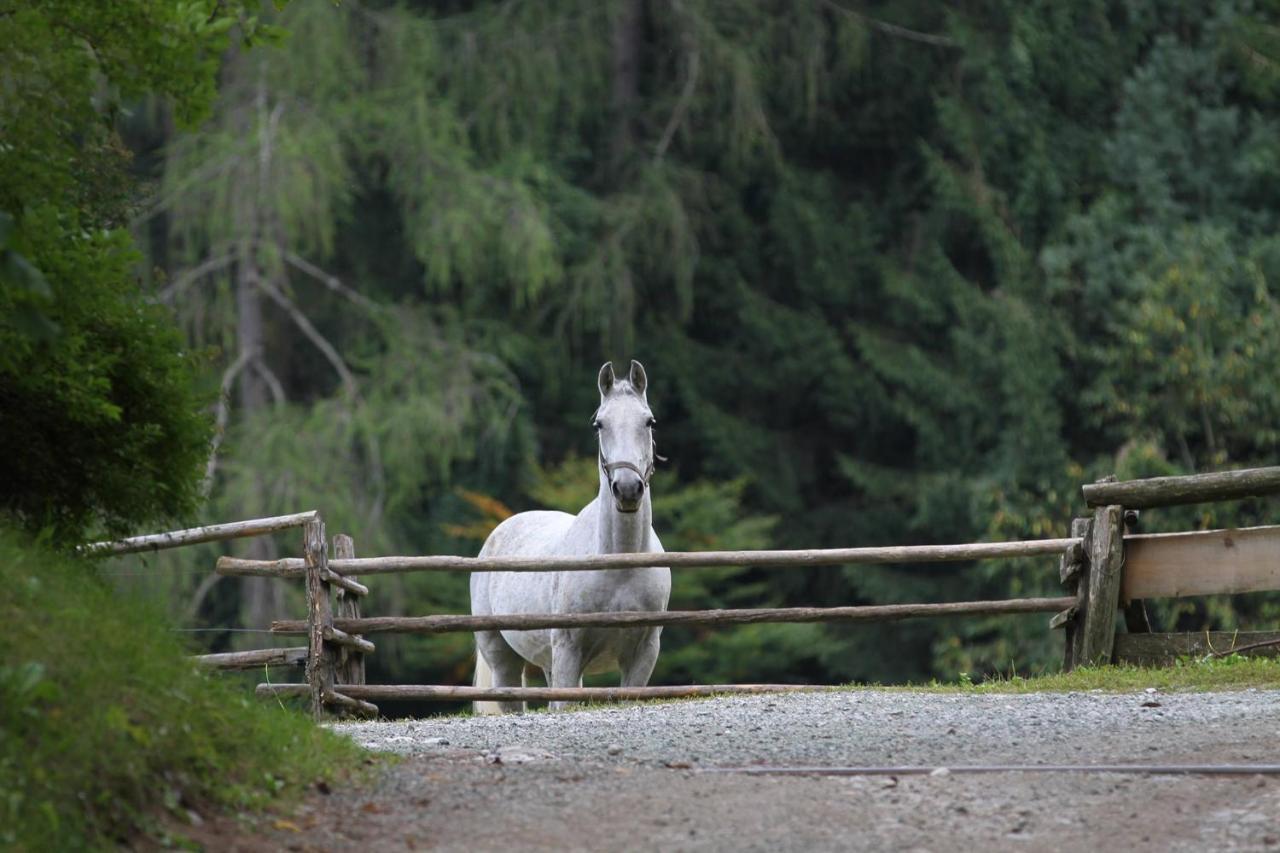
x=618 y=521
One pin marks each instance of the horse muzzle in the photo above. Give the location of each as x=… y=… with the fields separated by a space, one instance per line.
x=628 y=491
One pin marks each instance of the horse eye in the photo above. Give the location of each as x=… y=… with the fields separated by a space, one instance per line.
x=596 y=425
x=651 y=423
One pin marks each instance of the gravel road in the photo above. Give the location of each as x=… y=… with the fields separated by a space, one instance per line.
x=644 y=777
x=863 y=727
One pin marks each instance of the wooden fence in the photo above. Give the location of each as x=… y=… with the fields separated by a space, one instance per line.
x=1105 y=573
x=332 y=658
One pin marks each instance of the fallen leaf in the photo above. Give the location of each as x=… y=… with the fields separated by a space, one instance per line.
x=287 y=824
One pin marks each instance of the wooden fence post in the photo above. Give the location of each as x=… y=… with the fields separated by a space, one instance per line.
x=319 y=616
x=350 y=659
x=1075 y=579
x=1104 y=550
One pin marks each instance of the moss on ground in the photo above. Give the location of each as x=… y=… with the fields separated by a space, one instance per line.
x=106 y=727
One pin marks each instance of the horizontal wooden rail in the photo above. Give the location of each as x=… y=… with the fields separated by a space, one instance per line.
x=1204 y=562
x=198 y=535
x=676 y=559
x=444 y=693
x=343 y=700
x=294 y=656
x=1190 y=489
x=351 y=586
x=639 y=618
x=342 y=638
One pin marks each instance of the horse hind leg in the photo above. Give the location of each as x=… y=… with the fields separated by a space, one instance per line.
x=497 y=665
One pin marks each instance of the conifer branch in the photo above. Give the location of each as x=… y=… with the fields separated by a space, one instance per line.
x=330 y=281
x=273 y=382
x=221 y=415
x=312 y=334
x=892 y=29
x=191 y=276
x=682 y=106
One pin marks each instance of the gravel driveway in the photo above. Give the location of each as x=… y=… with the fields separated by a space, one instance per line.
x=643 y=777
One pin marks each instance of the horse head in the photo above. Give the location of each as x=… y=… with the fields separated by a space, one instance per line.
x=624 y=425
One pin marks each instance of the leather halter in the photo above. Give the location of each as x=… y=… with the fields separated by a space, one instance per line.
x=609 y=467
x=645 y=476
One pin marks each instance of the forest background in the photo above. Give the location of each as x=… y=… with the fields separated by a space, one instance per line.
x=902 y=272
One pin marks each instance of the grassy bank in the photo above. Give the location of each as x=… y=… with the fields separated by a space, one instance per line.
x=105 y=726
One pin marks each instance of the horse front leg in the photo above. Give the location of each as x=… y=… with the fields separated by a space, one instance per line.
x=566 y=662
x=638 y=666
x=497 y=665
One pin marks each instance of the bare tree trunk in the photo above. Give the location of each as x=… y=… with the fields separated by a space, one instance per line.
x=263 y=598
x=627 y=35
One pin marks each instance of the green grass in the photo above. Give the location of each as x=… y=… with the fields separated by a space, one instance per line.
x=105 y=726
x=1229 y=673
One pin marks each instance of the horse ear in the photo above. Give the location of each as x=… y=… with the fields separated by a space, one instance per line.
x=605 y=380
x=638 y=380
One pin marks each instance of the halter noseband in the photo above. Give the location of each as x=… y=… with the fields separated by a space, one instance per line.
x=609 y=467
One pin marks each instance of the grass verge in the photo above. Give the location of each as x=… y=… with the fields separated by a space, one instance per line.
x=1235 y=672
x=105 y=726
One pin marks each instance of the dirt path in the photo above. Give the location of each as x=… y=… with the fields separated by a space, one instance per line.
x=642 y=777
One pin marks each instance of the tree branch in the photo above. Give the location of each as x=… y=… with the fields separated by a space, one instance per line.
x=202 y=591
x=273 y=382
x=682 y=105
x=330 y=281
x=221 y=416
x=312 y=334
x=892 y=29
x=1238 y=649
x=191 y=276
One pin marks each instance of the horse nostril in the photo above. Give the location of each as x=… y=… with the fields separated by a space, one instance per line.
x=617 y=493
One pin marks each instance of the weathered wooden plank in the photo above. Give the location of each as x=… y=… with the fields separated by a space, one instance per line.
x=1106 y=556
x=534 y=694
x=292 y=656
x=197 y=535
x=1194 y=488
x=1209 y=562
x=674 y=559
x=319 y=617
x=1164 y=649
x=1076 y=581
x=350 y=661
x=638 y=618
x=1071 y=563
x=1062 y=619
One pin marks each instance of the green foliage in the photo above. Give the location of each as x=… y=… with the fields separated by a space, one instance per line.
x=101 y=415
x=900 y=274
x=106 y=727
x=100 y=420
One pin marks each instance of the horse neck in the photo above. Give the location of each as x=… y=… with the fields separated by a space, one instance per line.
x=621 y=532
